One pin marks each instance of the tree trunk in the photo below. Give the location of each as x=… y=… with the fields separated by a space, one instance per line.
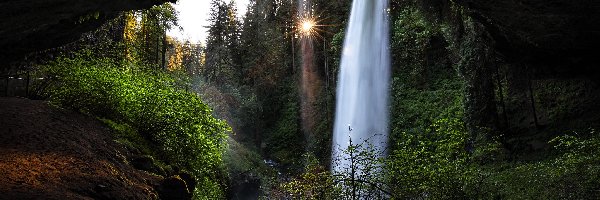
x=164 y=48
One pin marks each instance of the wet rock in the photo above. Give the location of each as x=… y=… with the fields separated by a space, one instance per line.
x=174 y=187
x=189 y=179
x=245 y=186
x=147 y=163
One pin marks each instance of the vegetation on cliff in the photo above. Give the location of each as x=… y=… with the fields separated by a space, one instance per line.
x=476 y=111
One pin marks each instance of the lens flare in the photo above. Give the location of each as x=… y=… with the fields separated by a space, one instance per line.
x=307 y=26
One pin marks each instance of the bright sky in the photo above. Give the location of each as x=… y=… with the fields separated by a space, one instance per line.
x=193 y=17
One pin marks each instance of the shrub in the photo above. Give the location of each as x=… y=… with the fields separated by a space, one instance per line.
x=177 y=122
x=573 y=173
x=359 y=175
x=315 y=183
x=431 y=164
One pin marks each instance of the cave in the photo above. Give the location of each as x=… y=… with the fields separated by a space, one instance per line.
x=35 y=25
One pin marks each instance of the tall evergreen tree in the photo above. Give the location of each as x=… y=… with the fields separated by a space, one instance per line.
x=151 y=37
x=222 y=54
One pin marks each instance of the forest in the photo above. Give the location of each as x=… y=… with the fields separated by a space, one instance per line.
x=487 y=100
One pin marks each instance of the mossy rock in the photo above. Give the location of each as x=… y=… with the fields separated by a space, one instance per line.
x=174 y=187
x=147 y=163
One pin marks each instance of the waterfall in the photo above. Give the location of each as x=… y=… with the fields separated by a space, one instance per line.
x=363 y=85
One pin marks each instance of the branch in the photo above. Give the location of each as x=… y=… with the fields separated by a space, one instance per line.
x=367 y=182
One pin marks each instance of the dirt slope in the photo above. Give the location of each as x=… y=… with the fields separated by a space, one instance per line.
x=52 y=153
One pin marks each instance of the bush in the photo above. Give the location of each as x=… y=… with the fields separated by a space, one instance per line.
x=431 y=164
x=177 y=122
x=315 y=183
x=573 y=173
x=359 y=175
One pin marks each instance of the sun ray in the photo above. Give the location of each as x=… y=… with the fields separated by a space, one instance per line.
x=311 y=26
x=307 y=26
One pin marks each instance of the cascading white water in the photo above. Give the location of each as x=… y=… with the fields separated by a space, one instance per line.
x=363 y=85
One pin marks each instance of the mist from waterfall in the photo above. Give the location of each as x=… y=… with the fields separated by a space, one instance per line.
x=363 y=85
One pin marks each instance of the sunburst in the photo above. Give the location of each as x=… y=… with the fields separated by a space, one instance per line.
x=309 y=27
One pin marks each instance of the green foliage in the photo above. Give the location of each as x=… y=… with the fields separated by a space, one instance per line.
x=428 y=157
x=239 y=159
x=244 y=163
x=411 y=36
x=337 y=45
x=415 y=110
x=267 y=69
x=566 y=102
x=430 y=164
x=359 y=175
x=432 y=156
x=315 y=183
x=487 y=152
x=249 y=79
x=573 y=174
x=172 y=119
x=222 y=53
x=129 y=137
x=88 y=17
x=147 y=40
x=286 y=141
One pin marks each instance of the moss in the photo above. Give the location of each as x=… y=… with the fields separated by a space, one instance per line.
x=128 y=136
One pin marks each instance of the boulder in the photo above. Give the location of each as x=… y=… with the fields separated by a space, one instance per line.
x=189 y=179
x=174 y=187
x=147 y=163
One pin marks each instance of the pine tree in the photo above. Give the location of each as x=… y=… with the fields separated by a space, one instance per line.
x=151 y=38
x=223 y=59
